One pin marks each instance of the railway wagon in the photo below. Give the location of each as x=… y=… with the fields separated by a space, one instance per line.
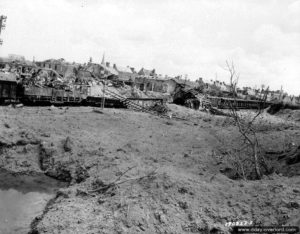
x=226 y=103
x=8 y=87
x=109 y=102
x=35 y=95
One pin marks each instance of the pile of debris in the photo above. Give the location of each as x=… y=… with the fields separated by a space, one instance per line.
x=215 y=111
x=276 y=107
x=292 y=156
x=45 y=78
x=159 y=108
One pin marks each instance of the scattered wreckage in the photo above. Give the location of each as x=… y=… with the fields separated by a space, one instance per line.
x=44 y=86
x=195 y=99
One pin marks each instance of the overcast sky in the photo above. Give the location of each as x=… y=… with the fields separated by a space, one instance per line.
x=173 y=36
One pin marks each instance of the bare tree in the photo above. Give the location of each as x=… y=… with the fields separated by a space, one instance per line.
x=245 y=125
x=234 y=77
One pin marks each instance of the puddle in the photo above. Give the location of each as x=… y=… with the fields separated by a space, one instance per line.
x=22 y=198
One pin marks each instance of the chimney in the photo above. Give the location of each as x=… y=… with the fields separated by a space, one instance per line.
x=107 y=64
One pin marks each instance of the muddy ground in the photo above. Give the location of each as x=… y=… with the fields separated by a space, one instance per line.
x=133 y=172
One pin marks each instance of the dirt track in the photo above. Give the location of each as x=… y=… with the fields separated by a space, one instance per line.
x=186 y=194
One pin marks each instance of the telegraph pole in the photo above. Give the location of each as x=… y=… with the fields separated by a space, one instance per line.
x=103 y=91
x=2 y=25
x=103 y=95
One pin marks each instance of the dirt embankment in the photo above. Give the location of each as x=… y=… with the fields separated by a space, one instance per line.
x=136 y=173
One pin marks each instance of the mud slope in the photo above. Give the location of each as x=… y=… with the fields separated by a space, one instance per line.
x=172 y=182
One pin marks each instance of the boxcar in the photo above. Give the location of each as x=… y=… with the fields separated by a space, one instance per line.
x=8 y=87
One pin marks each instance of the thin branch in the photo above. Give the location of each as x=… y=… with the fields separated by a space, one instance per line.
x=122 y=174
x=117 y=182
x=152 y=173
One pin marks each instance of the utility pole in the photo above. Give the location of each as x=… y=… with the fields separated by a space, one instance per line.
x=103 y=96
x=103 y=91
x=105 y=73
x=2 y=25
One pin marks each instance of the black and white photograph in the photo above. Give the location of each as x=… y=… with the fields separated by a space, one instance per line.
x=149 y=116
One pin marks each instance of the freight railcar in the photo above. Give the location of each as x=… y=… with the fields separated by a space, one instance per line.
x=8 y=87
x=39 y=95
x=12 y=92
x=109 y=102
x=227 y=103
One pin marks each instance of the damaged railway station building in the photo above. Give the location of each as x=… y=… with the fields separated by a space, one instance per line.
x=149 y=81
x=126 y=74
x=102 y=71
x=62 y=67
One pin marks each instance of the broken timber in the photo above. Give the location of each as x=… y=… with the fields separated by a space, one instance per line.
x=131 y=104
